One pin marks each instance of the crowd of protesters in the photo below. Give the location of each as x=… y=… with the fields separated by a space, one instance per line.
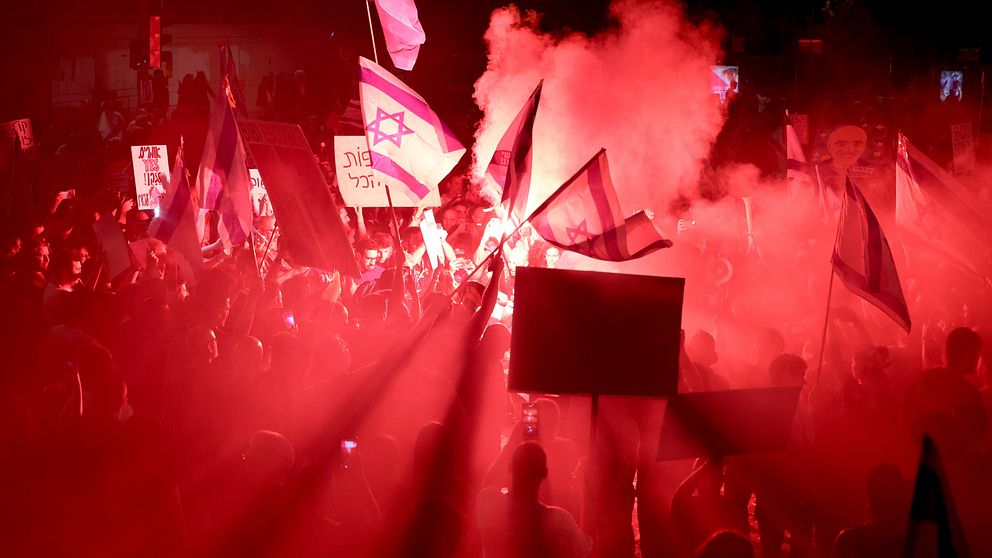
x=268 y=409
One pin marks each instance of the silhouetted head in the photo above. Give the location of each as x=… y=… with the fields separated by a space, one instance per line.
x=702 y=348
x=962 y=350
x=725 y=544
x=202 y=344
x=269 y=457
x=787 y=371
x=246 y=358
x=528 y=469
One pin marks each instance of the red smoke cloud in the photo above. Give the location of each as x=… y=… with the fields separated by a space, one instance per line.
x=639 y=89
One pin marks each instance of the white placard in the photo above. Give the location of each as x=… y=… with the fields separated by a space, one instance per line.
x=151 y=172
x=260 y=204
x=358 y=186
x=428 y=227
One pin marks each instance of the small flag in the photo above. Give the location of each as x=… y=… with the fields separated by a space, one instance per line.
x=584 y=216
x=402 y=30
x=229 y=81
x=934 y=530
x=407 y=140
x=509 y=171
x=223 y=182
x=863 y=260
x=175 y=221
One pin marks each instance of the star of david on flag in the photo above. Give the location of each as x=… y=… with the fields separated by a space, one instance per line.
x=380 y=135
x=584 y=216
x=410 y=148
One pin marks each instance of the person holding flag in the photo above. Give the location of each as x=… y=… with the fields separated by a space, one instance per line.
x=223 y=182
x=175 y=220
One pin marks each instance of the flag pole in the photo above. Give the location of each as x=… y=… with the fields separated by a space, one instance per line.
x=375 y=53
x=826 y=324
x=830 y=291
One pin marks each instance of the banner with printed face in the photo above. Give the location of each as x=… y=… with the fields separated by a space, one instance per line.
x=151 y=173
x=358 y=187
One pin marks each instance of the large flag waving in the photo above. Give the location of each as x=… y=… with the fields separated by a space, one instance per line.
x=175 y=221
x=934 y=530
x=407 y=140
x=863 y=260
x=584 y=216
x=509 y=171
x=223 y=182
x=938 y=212
x=402 y=30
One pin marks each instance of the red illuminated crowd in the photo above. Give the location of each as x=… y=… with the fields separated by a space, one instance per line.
x=268 y=409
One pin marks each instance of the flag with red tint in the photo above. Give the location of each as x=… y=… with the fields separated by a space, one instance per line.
x=509 y=172
x=584 y=216
x=863 y=260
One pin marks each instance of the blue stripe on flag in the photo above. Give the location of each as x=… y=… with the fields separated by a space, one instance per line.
x=180 y=200
x=389 y=167
x=602 y=204
x=414 y=105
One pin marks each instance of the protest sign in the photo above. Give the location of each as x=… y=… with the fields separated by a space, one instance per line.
x=308 y=218
x=21 y=131
x=569 y=327
x=151 y=168
x=260 y=203
x=358 y=186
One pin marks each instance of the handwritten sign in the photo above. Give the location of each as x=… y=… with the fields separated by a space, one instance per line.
x=151 y=169
x=359 y=188
x=21 y=131
x=260 y=203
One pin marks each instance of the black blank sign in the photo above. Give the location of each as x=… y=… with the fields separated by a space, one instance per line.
x=595 y=333
x=719 y=423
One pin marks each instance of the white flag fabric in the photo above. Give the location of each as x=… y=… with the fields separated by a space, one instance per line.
x=407 y=140
x=402 y=30
x=223 y=182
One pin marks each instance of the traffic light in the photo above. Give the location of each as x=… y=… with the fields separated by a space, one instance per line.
x=154 y=41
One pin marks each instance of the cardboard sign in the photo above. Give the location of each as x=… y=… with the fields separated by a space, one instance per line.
x=151 y=173
x=309 y=222
x=963 y=144
x=260 y=203
x=358 y=187
x=734 y=422
x=428 y=227
x=586 y=332
x=21 y=131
